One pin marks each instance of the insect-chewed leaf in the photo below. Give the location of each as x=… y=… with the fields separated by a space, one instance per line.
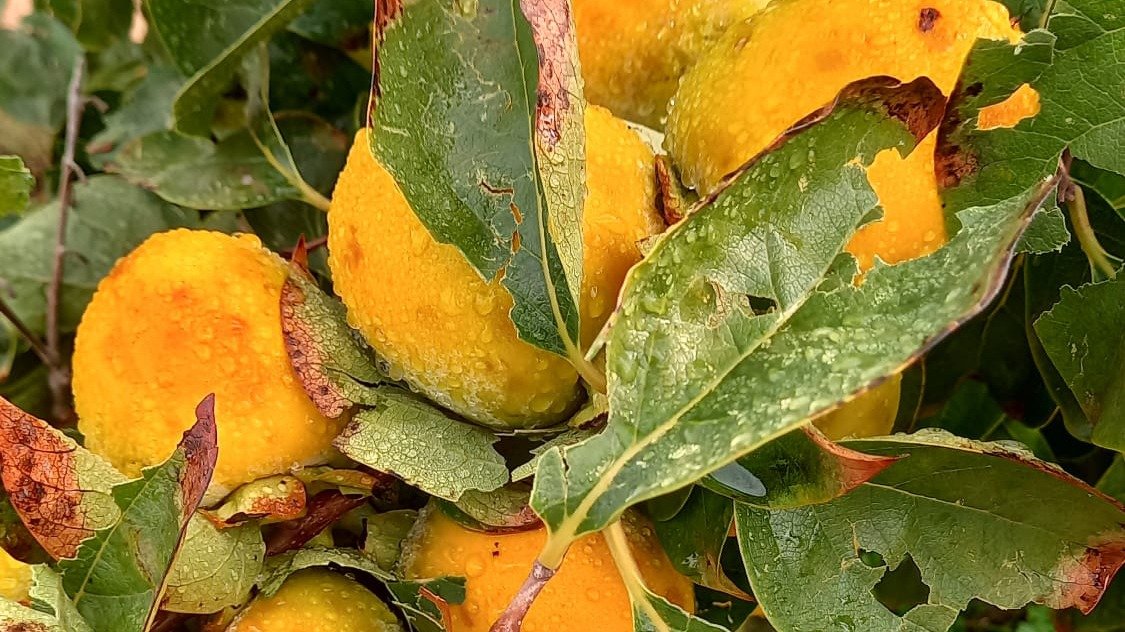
x=455 y=121
x=1047 y=231
x=998 y=504
x=1083 y=335
x=695 y=536
x=805 y=468
x=214 y=568
x=51 y=610
x=734 y=329
x=207 y=43
x=410 y=438
x=60 y=490
x=118 y=575
x=426 y=603
x=270 y=499
x=16 y=183
x=335 y=367
x=279 y=567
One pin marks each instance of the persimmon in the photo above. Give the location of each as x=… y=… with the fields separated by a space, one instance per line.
x=317 y=600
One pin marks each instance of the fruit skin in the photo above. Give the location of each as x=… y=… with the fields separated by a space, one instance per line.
x=633 y=52
x=317 y=600
x=751 y=87
x=870 y=414
x=15 y=578
x=185 y=314
x=444 y=329
x=586 y=594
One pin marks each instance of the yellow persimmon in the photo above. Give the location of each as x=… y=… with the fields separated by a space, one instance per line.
x=186 y=314
x=587 y=593
x=317 y=600
x=439 y=324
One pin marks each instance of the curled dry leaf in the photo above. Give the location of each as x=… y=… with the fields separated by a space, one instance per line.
x=323 y=509
x=60 y=490
x=271 y=499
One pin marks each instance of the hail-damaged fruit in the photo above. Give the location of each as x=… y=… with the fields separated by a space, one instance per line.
x=586 y=594
x=445 y=330
x=186 y=314
x=750 y=87
x=317 y=600
x=634 y=52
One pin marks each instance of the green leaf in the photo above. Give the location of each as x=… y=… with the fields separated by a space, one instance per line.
x=214 y=568
x=16 y=183
x=50 y=607
x=724 y=341
x=804 y=468
x=1047 y=231
x=569 y=437
x=118 y=577
x=424 y=446
x=653 y=613
x=385 y=533
x=503 y=509
x=694 y=539
x=1112 y=481
x=235 y=173
x=97 y=24
x=208 y=40
x=342 y=24
x=997 y=504
x=454 y=121
x=33 y=111
x=419 y=601
x=1084 y=335
x=110 y=217
x=60 y=490
x=143 y=110
x=1110 y=186
x=280 y=567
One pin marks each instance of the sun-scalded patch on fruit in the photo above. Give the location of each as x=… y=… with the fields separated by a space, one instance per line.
x=750 y=88
x=186 y=314
x=317 y=600
x=634 y=52
x=586 y=594
x=445 y=330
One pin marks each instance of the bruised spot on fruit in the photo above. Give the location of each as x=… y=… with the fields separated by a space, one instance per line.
x=927 y=18
x=1022 y=104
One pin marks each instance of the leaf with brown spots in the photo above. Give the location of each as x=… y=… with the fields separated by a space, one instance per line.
x=333 y=364
x=118 y=576
x=60 y=490
x=270 y=499
x=980 y=520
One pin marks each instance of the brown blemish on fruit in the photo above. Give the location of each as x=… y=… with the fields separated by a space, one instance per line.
x=927 y=18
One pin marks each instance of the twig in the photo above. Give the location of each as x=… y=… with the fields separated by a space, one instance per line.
x=1071 y=194
x=58 y=375
x=36 y=344
x=511 y=620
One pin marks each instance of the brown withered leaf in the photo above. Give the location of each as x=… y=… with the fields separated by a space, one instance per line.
x=324 y=509
x=270 y=499
x=60 y=490
x=333 y=364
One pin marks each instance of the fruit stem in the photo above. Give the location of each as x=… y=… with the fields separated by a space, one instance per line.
x=1100 y=260
x=589 y=372
x=511 y=620
x=631 y=575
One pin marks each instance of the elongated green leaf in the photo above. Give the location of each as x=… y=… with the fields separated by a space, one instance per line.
x=724 y=342
x=144 y=109
x=60 y=490
x=51 y=610
x=214 y=568
x=424 y=602
x=109 y=219
x=694 y=539
x=208 y=40
x=655 y=614
x=1084 y=335
x=455 y=122
x=280 y=567
x=1110 y=186
x=424 y=446
x=117 y=579
x=997 y=504
x=16 y=183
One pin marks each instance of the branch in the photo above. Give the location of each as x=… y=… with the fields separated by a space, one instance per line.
x=36 y=344
x=58 y=374
x=511 y=620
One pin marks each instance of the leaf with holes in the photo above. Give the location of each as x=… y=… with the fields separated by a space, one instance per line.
x=487 y=147
x=118 y=576
x=60 y=490
x=998 y=504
